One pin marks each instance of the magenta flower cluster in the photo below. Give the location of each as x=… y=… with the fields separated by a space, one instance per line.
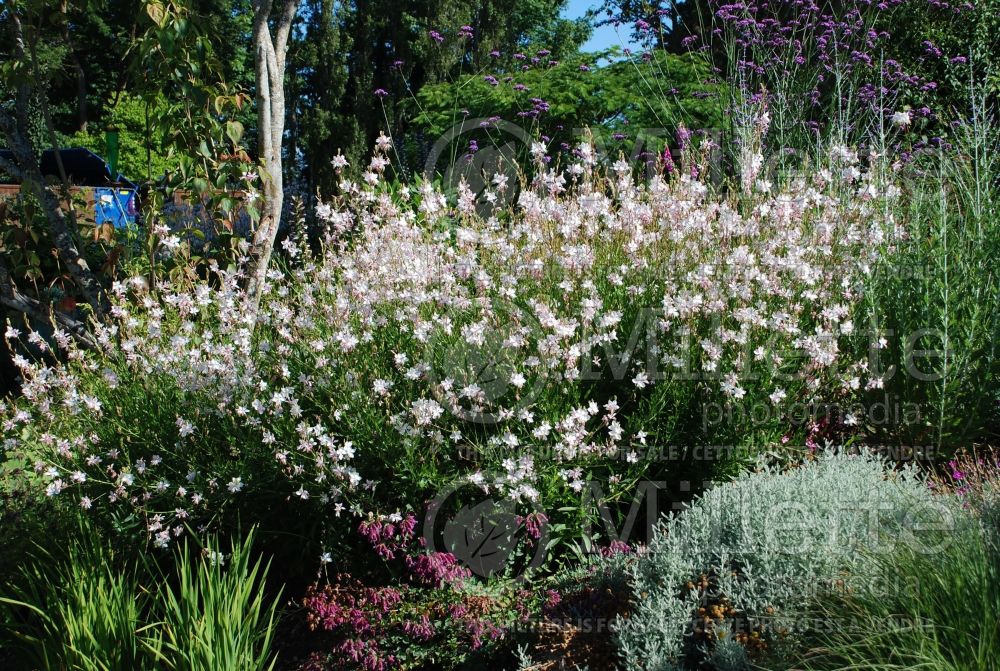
x=388 y=538
x=436 y=569
x=357 y=612
x=397 y=539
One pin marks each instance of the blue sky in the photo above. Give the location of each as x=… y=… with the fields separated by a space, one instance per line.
x=603 y=37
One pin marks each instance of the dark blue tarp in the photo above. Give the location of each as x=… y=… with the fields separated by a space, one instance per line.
x=83 y=167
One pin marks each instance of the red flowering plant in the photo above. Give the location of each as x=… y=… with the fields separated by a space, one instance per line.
x=433 y=613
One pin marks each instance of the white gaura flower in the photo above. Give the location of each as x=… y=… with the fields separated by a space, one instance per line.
x=901 y=119
x=184 y=427
x=641 y=380
x=215 y=558
x=235 y=485
x=425 y=411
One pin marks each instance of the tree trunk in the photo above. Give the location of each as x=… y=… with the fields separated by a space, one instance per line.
x=269 y=63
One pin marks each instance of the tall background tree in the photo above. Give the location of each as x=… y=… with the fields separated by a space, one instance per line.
x=357 y=67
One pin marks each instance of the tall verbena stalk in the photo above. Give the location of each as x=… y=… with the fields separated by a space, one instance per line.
x=216 y=617
x=821 y=67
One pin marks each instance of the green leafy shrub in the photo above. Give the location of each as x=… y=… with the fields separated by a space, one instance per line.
x=130 y=116
x=634 y=104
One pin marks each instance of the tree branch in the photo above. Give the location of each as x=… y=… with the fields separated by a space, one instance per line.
x=261 y=13
x=282 y=31
x=12 y=298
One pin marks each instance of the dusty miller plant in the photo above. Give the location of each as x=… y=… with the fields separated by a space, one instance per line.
x=743 y=557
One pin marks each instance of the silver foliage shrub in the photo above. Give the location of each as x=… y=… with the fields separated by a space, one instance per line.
x=757 y=548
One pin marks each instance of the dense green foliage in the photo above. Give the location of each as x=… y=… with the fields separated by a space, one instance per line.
x=143 y=156
x=88 y=607
x=631 y=104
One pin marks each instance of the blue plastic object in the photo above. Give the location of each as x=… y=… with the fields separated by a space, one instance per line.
x=115 y=205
